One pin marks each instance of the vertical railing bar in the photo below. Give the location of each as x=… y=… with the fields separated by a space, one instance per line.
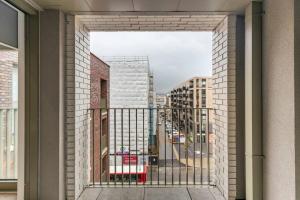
x=1 y=144
x=186 y=149
x=108 y=144
x=201 y=149
x=179 y=148
x=151 y=172
x=165 y=131
x=122 y=145
x=194 y=143
x=100 y=146
x=136 y=145
x=172 y=142
x=157 y=118
x=144 y=142
x=129 y=146
x=93 y=148
x=207 y=140
x=6 y=143
x=16 y=140
x=115 y=145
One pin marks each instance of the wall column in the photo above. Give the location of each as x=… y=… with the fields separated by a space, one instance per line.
x=253 y=101
x=77 y=103
x=228 y=100
x=51 y=164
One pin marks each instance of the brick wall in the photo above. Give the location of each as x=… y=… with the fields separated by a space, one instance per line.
x=224 y=97
x=77 y=101
x=8 y=58
x=99 y=90
x=129 y=89
x=125 y=22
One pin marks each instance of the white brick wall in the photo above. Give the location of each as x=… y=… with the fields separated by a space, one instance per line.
x=77 y=101
x=129 y=88
x=224 y=98
x=151 y=22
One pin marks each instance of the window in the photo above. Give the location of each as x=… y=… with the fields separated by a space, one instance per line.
x=8 y=112
x=103 y=94
x=103 y=87
x=104 y=127
x=11 y=77
x=203 y=83
x=104 y=164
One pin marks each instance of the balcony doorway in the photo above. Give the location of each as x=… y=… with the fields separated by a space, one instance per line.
x=155 y=102
x=129 y=162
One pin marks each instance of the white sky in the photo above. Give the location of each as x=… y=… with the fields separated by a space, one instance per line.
x=174 y=56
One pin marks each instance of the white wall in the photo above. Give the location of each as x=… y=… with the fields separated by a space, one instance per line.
x=77 y=101
x=279 y=100
x=226 y=100
x=129 y=88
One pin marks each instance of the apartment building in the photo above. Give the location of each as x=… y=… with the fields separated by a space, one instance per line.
x=161 y=100
x=129 y=80
x=168 y=101
x=190 y=100
x=99 y=136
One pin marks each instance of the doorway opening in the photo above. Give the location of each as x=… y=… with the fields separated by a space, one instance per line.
x=224 y=102
x=159 y=106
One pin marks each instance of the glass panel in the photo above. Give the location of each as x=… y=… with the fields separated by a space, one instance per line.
x=8 y=112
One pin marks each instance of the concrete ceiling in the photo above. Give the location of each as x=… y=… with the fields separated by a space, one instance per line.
x=91 y=6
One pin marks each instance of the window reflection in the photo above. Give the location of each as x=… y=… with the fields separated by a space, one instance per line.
x=8 y=112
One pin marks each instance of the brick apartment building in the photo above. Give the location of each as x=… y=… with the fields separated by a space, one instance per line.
x=99 y=103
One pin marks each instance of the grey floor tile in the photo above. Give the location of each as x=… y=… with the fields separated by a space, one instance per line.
x=122 y=194
x=166 y=194
x=90 y=194
x=200 y=194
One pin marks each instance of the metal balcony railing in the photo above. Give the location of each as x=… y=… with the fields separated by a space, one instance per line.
x=151 y=146
x=8 y=143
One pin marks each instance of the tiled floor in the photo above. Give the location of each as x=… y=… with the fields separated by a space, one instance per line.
x=173 y=193
x=190 y=193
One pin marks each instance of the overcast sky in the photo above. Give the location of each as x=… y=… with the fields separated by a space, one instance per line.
x=173 y=56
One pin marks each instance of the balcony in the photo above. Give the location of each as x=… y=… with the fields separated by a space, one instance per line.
x=176 y=158
x=178 y=164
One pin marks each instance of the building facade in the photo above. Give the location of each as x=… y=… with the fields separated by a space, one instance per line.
x=99 y=158
x=129 y=95
x=190 y=101
x=161 y=100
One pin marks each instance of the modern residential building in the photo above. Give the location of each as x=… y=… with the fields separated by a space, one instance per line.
x=190 y=100
x=99 y=112
x=161 y=100
x=255 y=70
x=168 y=100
